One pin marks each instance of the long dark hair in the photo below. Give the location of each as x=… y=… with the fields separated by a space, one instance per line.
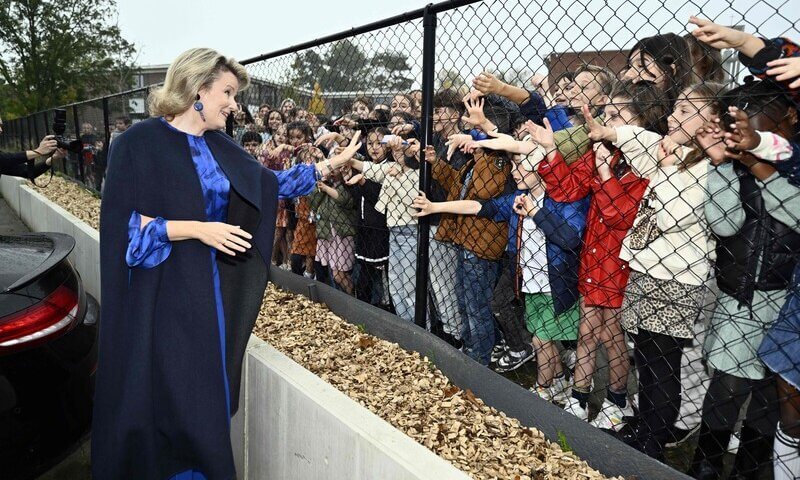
x=303 y=127
x=668 y=50
x=754 y=97
x=646 y=101
x=266 y=120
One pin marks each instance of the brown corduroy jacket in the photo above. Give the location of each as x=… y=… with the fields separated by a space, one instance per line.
x=490 y=175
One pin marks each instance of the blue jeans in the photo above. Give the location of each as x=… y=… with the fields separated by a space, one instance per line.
x=443 y=262
x=403 y=270
x=475 y=281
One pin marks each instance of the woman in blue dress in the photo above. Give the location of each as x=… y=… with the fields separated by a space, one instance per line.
x=181 y=282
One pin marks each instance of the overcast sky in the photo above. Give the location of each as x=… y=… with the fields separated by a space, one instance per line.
x=161 y=29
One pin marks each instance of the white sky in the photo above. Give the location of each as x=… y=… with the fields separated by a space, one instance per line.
x=494 y=34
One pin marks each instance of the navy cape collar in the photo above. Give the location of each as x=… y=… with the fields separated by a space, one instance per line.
x=242 y=170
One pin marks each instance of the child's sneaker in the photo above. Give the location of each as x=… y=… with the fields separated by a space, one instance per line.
x=573 y=406
x=611 y=416
x=569 y=358
x=560 y=390
x=498 y=351
x=513 y=360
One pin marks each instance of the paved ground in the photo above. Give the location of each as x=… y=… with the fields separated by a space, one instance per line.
x=10 y=224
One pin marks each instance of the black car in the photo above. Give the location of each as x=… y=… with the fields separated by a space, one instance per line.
x=48 y=354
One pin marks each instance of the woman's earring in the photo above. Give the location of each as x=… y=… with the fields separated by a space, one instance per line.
x=198 y=106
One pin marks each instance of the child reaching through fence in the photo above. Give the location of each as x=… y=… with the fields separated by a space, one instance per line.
x=616 y=191
x=544 y=241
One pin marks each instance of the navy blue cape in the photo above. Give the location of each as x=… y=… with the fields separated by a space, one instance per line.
x=160 y=399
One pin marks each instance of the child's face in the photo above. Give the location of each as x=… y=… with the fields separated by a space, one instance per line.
x=402 y=104
x=280 y=135
x=644 y=68
x=584 y=90
x=296 y=138
x=560 y=96
x=274 y=120
x=360 y=109
x=525 y=180
x=375 y=149
x=286 y=107
x=444 y=117
x=618 y=113
x=690 y=113
x=251 y=147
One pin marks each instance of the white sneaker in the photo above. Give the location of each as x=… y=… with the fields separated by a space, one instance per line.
x=560 y=390
x=557 y=393
x=545 y=393
x=611 y=416
x=569 y=358
x=308 y=274
x=573 y=406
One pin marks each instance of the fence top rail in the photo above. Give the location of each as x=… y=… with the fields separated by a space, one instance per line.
x=370 y=27
x=96 y=99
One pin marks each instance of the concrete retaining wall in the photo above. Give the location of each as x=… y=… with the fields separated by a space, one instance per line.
x=290 y=424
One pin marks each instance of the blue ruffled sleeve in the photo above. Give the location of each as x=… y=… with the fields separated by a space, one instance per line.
x=147 y=247
x=298 y=181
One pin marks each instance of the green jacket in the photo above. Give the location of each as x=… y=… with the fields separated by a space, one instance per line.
x=340 y=213
x=573 y=142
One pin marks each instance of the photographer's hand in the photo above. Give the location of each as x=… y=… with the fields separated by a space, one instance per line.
x=45 y=148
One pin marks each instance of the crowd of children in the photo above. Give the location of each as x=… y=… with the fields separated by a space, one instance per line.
x=602 y=212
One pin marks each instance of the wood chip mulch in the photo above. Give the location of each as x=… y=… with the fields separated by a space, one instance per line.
x=402 y=387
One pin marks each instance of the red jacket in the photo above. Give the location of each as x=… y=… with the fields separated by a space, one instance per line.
x=602 y=276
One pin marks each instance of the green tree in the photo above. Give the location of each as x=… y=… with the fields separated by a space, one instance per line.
x=54 y=52
x=390 y=71
x=346 y=67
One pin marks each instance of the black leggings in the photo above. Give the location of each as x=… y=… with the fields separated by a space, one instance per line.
x=508 y=312
x=726 y=396
x=658 y=363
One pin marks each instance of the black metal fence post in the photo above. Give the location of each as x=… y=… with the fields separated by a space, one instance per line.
x=106 y=124
x=423 y=258
x=78 y=136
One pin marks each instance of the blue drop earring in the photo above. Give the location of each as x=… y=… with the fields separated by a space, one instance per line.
x=198 y=106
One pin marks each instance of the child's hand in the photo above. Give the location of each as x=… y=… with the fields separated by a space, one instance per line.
x=785 y=69
x=524 y=205
x=744 y=136
x=430 y=154
x=424 y=206
x=356 y=179
x=327 y=139
x=412 y=149
x=470 y=147
x=487 y=83
x=474 y=109
x=710 y=138
x=354 y=146
x=668 y=152
x=323 y=187
x=404 y=129
x=395 y=143
x=717 y=36
x=455 y=141
x=541 y=135
x=597 y=131
x=602 y=160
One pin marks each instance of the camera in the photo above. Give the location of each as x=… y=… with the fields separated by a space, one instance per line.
x=59 y=127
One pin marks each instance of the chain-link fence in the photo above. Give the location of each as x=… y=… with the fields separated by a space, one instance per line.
x=608 y=212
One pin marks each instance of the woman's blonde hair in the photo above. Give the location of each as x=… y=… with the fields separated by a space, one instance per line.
x=192 y=71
